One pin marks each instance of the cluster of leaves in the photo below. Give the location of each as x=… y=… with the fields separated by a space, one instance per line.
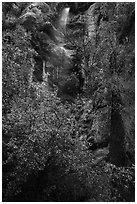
x=122 y=183
x=44 y=159
x=34 y=136
x=16 y=61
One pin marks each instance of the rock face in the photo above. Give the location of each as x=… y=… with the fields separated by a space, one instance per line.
x=91 y=24
x=108 y=121
x=97 y=131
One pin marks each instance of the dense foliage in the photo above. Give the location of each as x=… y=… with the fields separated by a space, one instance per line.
x=68 y=102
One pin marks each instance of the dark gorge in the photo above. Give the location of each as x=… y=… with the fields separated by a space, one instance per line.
x=68 y=101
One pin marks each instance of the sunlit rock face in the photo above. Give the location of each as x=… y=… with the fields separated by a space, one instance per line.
x=91 y=26
x=32 y=14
